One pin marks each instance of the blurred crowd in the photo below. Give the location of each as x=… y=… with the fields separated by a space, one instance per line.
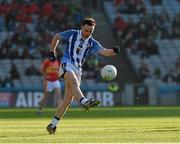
x=26 y=30
x=139 y=34
x=172 y=76
x=28 y=25
x=149 y=26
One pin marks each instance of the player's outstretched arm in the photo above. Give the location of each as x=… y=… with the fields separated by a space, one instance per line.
x=110 y=52
x=52 y=51
x=55 y=42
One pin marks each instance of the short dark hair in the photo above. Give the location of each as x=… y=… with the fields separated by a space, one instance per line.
x=89 y=21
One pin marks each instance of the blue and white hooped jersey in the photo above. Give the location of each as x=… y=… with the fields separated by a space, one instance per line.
x=77 y=48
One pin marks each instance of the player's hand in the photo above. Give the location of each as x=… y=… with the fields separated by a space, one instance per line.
x=51 y=56
x=116 y=49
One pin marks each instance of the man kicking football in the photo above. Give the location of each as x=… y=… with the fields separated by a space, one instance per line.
x=79 y=44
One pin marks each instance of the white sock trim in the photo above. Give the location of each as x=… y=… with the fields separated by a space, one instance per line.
x=84 y=100
x=54 y=122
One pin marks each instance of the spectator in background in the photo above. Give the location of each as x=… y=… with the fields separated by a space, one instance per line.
x=170 y=77
x=92 y=67
x=140 y=46
x=47 y=9
x=2 y=21
x=147 y=47
x=122 y=7
x=14 y=72
x=93 y=62
x=177 y=65
x=119 y=25
x=128 y=39
x=175 y=26
x=25 y=53
x=140 y=8
x=157 y=73
x=152 y=48
x=165 y=22
x=142 y=31
x=155 y=33
x=7 y=81
x=156 y=2
x=117 y=2
x=33 y=7
x=5 y=46
x=13 y=52
x=131 y=7
x=32 y=70
x=144 y=71
x=0 y=78
x=178 y=69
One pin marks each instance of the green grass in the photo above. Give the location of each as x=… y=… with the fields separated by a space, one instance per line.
x=100 y=125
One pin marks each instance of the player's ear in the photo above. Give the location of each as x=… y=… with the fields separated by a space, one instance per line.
x=93 y=29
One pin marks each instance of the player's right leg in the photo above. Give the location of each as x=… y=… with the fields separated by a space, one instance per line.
x=72 y=79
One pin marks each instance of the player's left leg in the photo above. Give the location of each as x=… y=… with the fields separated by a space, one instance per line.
x=61 y=109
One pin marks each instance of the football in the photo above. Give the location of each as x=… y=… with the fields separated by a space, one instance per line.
x=109 y=72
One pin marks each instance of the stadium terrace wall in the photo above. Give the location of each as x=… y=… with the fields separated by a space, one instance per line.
x=152 y=94
x=133 y=94
x=31 y=97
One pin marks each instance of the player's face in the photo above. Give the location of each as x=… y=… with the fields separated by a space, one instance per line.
x=87 y=30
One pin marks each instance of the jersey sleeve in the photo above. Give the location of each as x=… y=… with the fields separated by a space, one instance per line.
x=96 y=47
x=65 y=35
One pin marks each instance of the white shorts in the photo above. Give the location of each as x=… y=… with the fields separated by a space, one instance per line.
x=70 y=67
x=52 y=85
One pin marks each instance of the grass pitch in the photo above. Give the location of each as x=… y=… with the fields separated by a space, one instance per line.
x=100 y=125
